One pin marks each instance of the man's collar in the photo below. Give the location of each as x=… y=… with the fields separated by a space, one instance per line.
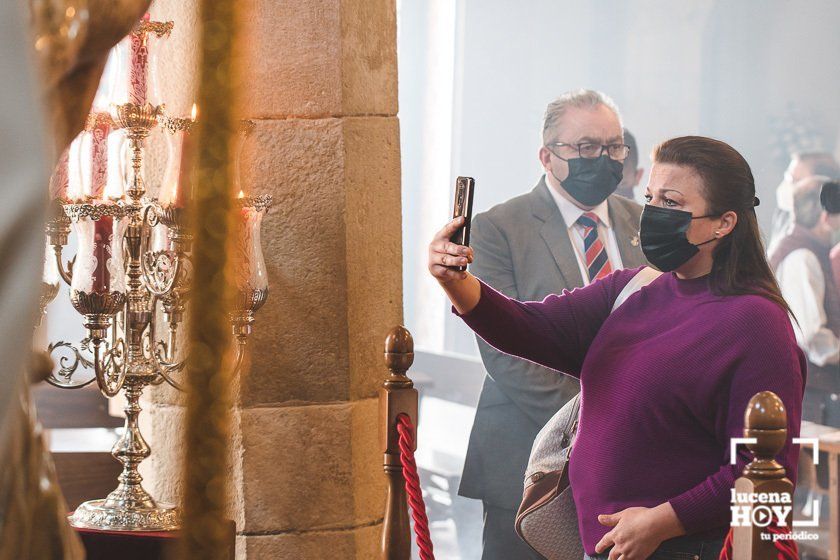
x=572 y=212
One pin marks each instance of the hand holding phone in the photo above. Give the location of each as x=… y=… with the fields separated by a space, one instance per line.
x=464 y=190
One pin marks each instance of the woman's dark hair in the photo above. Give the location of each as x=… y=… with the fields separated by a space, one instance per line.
x=740 y=265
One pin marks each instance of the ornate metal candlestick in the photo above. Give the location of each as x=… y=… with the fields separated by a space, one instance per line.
x=117 y=280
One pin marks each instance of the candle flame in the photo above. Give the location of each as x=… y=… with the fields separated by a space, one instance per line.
x=241 y=195
x=194 y=112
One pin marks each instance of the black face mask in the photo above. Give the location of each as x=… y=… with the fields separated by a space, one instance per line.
x=592 y=180
x=663 y=236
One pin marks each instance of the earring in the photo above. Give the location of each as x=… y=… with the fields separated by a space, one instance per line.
x=717 y=234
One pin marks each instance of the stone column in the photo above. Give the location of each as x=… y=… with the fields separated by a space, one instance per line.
x=321 y=85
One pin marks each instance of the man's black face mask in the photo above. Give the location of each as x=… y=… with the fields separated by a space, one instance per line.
x=592 y=180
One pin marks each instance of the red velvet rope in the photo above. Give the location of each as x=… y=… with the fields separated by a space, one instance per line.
x=786 y=548
x=412 y=487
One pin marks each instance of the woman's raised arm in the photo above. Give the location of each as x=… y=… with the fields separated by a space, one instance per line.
x=555 y=332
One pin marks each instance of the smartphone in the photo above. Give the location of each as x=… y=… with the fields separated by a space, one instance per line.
x=830 y=197
x=464 y=190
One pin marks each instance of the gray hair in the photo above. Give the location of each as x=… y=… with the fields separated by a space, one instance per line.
x=581 y=98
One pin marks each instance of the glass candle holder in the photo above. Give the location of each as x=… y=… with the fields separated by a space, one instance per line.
x=75 y=189
x=101 y=153
x=50 y=280
x=131 y=75
x=245 y=131
x=159 y=238
x=178 y=180
x=135 y=102
x=98 y=283
x=250 y=276
x=60 y=177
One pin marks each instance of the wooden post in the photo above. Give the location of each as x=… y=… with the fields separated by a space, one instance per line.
x=765 y=419
x=397 y=396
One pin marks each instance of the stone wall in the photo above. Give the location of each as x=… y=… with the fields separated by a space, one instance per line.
x=320 y=82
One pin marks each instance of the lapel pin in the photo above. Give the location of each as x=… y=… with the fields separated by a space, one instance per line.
x=634 y=241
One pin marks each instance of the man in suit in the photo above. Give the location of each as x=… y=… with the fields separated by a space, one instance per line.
x=565 y=233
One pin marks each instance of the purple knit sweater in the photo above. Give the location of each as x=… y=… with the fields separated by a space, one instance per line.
x=665 y=381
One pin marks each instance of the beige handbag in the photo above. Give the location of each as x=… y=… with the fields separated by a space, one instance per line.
x=547 y=517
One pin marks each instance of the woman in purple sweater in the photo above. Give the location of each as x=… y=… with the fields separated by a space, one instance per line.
x=665 y=379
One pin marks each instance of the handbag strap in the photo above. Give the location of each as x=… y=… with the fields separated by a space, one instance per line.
x=641 y=279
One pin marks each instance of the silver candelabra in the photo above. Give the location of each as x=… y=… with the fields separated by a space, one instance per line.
x=131 y=272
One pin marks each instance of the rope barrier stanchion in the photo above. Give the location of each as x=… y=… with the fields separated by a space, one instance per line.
x=765 y=427
x=412 y=487
x=398 y=418
x=397 y=397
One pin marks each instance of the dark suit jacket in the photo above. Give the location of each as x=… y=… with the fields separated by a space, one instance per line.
x=522 y=248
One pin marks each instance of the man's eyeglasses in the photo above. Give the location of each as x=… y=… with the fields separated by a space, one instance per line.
x=591 y=150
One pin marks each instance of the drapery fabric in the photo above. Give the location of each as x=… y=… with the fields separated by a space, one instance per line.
x=32 y=509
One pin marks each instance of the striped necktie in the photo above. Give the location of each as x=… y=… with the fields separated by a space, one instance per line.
x=597 y=261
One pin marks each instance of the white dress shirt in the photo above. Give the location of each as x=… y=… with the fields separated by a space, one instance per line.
x=606 y=233
x=803 y=287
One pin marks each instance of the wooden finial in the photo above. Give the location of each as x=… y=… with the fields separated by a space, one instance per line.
x=766 y=420
x=399 y=351
x=765 y=411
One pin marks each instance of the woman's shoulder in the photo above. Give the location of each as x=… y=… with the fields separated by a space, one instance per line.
x=762 y=331
x=757 y=314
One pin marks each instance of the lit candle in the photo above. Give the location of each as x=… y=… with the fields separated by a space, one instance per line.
x=138 y=66
x=96 y=179
x=245 y=213
x=244 y=247
x=184 y=186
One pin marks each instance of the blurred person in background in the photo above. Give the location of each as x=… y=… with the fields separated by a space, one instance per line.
x=568 y=231
x=632 y=173
x=803 y=269
x=802 y=165
x=830 y=200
